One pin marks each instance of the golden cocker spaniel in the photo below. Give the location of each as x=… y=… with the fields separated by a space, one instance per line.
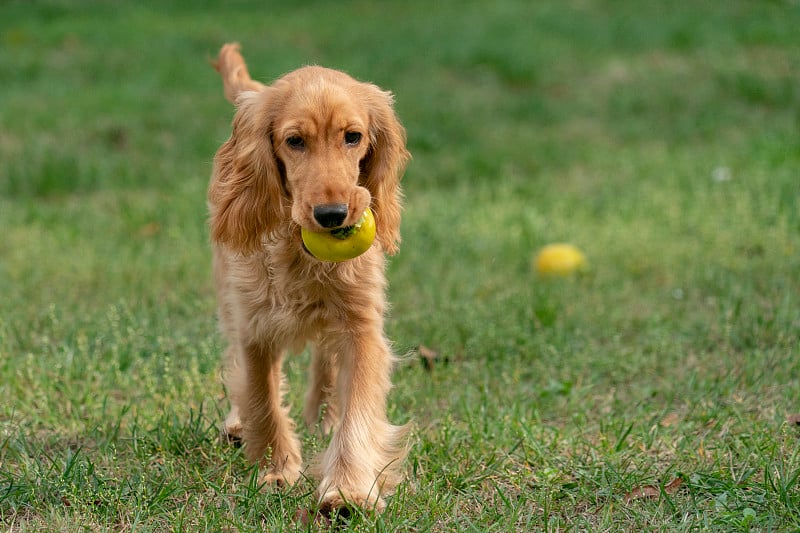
x=313 y=150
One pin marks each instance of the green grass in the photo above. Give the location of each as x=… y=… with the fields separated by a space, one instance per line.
x=660 y=138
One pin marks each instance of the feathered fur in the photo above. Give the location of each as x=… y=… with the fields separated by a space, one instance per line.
x=274 y=297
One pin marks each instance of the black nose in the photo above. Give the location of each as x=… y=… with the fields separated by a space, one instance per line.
x=330 y=215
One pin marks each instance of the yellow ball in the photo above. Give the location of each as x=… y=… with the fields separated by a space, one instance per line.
x=559 y=260
x=341 y=244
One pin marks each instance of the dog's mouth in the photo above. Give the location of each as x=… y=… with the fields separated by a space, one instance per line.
x=346 y=231
x=341 y=233
x=341 y=243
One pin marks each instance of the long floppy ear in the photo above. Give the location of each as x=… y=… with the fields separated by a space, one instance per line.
x=384 y=166
x=246 y=195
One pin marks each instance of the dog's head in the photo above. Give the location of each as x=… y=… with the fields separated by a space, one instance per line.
x=316 y=147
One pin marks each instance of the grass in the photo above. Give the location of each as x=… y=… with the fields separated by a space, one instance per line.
x=656 y=392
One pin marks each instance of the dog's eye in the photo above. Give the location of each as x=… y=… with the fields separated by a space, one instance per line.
x=352 y=138
x=295 y=142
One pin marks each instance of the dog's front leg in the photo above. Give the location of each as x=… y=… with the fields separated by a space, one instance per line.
x=256 y=388
x=364 y=458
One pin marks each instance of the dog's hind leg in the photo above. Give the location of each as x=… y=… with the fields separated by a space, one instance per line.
x=321 y=386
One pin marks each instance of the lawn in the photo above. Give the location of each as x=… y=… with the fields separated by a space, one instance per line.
x=659 y=390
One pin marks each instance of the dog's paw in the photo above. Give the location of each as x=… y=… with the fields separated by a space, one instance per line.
x=279 y=478
x=342 y=503
x=232 y=436
x=232 y=428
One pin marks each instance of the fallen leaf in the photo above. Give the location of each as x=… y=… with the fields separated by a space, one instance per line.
x=670 y=420
x=673 y=486
x=651 y=492
x=645 y=492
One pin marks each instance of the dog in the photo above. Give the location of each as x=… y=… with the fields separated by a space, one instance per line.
x=312 y=150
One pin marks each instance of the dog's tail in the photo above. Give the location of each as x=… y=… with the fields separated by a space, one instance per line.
x=235 y=77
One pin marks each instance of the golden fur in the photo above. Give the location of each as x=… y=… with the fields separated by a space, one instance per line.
x=274 y=297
